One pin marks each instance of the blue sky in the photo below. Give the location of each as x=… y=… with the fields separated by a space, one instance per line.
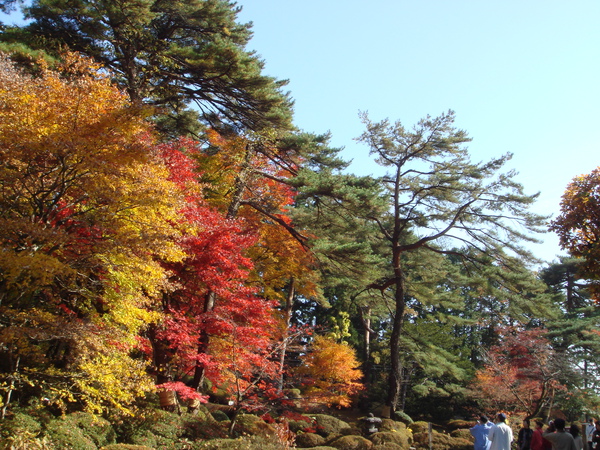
x=522 y=76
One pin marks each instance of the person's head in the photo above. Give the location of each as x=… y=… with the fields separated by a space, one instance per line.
x=483 y=418
x=501 y=417
x=574 y=429
x=539 y=424
x=525 y=423
x=559 y=424
x=591 y=421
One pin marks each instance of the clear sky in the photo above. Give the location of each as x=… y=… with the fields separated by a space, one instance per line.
x=522 y=76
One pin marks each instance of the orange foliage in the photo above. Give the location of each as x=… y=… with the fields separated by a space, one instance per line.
x=520 y=374
x=331 y=373
x=578 y=225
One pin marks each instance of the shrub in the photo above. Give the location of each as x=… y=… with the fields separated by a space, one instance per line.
x=401 y=416
x=64 y=434
x=309 y=440
x=419 y=427
x=327 y=425
x=351 y=443
x=441 y=441
x=19 y=423
x=98 y=429
x=402 y=440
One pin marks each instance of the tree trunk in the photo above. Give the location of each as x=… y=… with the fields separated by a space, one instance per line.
x=365 y=316
x=203 y=343
x=395 y=376
x=289 y=304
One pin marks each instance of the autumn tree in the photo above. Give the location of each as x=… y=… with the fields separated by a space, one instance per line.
x=440 y=201
x=522 y=373
x=254 y=178
x=229 y=342
x=577 y=225
x=169 y=54
x=86 y=211
x=332 y=373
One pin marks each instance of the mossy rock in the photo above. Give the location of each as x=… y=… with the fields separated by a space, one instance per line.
x=462 y=444
x=329 y=425
x=353 y=430
x=392 y=425
x=441 y=441
x=125 y=447
x=463 y=434
x=159 y=428
x=64 y=434
x=322 y=447
x=244 y=443
x=459 y=424
x=20 y=423
x=403 y=440
x=96 y=428
x=419 y=427
x=301 y=426
x=388 y=446
x=351 y=443
x=309 y=440
x=223 y=444
x=254 y=426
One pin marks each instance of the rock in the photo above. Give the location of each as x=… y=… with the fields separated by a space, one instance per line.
x=254 y=426
x=309 y=440
x=351 y=443
x=400 y=439
x=328 y=425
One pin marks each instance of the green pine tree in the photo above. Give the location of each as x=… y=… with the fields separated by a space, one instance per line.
x=440 y=201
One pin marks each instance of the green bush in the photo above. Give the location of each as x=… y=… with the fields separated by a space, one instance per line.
x=98 y=429
x=401 y=416
x=158 y=428
x=253 y=425
x=19 y=423
x=64 y=434
x=351 y=443
x=402 y=440
x=419 y=427
x=441 y=441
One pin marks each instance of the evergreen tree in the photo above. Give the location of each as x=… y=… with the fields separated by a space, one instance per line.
x=437 y=195
x=171 y=54
x=575 y=331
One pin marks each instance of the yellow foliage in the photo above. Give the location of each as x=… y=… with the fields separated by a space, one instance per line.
x=332 y=369
x=87 y=210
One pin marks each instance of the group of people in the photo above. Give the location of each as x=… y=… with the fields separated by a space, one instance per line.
x=499 y=436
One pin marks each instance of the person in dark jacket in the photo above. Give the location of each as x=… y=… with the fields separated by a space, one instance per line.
x=524 y=437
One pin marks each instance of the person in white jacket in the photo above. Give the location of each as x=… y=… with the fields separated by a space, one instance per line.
x=501 y=434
